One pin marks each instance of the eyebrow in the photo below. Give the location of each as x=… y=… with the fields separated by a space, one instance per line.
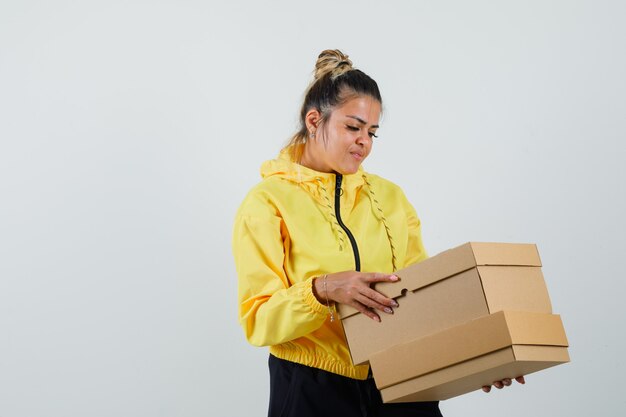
x=362 y=121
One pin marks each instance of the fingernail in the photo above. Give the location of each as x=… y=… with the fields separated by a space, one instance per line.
x=376 y=318
x=388 y=310
x=393 y=278
x=394 y=303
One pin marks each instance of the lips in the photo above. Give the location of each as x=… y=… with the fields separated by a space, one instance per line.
x=357 y=155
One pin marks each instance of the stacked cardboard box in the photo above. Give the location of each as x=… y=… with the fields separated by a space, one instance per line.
x=466 y=317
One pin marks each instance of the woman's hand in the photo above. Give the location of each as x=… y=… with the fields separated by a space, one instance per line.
x=354 y=288
x=504 y=383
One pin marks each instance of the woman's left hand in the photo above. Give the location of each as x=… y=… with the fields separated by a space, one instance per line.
x=504 y=383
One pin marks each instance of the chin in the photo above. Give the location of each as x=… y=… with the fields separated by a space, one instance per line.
x=350 y=170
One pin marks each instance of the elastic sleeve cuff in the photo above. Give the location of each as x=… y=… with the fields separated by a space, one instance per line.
x=311 y=300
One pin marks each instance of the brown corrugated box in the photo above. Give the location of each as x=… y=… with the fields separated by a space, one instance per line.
x=444 y=292
x=464 y=358
x=455 y=286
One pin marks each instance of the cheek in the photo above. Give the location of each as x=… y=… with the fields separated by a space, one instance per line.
x=368 y=147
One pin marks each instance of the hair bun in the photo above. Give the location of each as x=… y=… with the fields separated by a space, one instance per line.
x=333 y=62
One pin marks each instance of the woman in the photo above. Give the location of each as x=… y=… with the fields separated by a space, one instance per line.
x=318 y=230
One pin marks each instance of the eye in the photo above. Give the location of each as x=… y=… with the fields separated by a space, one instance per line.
x=356 y=129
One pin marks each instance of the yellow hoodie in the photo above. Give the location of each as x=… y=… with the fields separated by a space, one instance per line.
x=287 y=233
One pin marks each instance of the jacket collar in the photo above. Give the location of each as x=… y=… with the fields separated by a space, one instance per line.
x=284 y=167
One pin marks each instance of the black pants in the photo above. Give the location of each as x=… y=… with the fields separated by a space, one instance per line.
x=301 y=391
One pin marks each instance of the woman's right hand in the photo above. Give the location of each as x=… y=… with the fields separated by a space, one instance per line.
x=355 y=289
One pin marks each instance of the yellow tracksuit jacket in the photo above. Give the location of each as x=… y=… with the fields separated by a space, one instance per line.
x=287 y=232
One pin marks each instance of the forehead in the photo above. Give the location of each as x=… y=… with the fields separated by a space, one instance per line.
x=364 y=107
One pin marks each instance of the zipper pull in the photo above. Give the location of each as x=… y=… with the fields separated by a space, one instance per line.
x=338 y=190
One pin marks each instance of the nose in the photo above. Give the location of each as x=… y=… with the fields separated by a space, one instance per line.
x=364 y=138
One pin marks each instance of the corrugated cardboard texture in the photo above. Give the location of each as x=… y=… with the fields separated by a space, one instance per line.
x=447 y=303
x=473 y=374
x=452 y=262
x=520 y=288
x=461 y=343
x=505 y=254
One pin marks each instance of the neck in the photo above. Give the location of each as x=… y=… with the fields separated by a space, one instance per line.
x=310 y=160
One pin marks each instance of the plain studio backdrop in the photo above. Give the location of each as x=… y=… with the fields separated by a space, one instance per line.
x=131 y=130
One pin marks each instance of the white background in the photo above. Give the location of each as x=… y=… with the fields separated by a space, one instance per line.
x=131 y=130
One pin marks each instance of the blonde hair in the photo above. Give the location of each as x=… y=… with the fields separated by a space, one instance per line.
x=333 y=62
x=335 y=81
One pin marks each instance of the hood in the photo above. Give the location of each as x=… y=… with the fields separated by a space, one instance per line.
x=312 y=181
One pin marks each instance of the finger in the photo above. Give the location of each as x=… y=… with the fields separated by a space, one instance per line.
x=487 y=388
x=373 y=304
x=507 y=382
x=498 y=384
x=366 y=311
x=379 y=298
x=372 y=315
x=520 y=379
x=379 y=277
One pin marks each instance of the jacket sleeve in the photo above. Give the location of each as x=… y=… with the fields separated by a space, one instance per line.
x=415 y=251
x=272 y=309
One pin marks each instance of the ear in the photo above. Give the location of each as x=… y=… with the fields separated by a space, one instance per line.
x=312 y=120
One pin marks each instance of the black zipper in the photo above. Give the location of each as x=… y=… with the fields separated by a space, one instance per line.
x=355 y=248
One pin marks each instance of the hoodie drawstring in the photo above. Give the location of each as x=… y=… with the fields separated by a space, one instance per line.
x=330 y=211
x=377 y=210
x=382 y=218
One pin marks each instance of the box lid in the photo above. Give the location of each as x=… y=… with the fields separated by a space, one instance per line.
x=452 y=262
x=460 y=343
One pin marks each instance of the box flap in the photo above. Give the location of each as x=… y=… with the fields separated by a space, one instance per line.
x=477 y=337
x=452 y=262
x=513 y=254
x=518 y=288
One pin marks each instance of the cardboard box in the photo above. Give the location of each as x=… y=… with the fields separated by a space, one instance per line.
x=458 y=285
x=466 y=357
